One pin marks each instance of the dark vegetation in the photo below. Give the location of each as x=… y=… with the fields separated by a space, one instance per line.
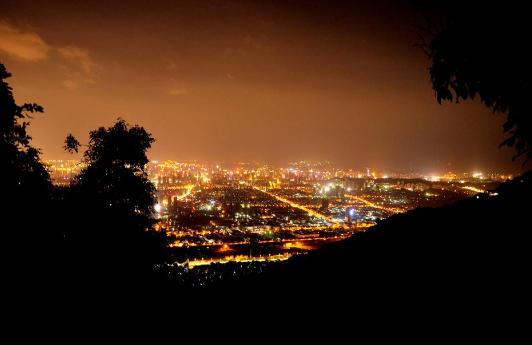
x=95 y=234
x=480 y=52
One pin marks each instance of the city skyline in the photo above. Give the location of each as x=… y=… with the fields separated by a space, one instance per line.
x=249 y=213
x=237 y=81
x=363 y=171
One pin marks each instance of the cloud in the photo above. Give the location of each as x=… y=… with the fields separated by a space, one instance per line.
x=74 y=84
x=177 y=91
x=75 y=62
x=78 y=56
x=71 y=84
x=80 y=66
x=25 y=45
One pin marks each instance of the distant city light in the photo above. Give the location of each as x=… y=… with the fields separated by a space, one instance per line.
x=477 y=174
x=225 y=207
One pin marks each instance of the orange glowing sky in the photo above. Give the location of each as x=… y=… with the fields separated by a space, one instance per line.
x=241 y=80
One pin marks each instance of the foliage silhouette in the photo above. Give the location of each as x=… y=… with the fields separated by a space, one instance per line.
x=23 y=173
x=114 y=187
x=98 y=229
x=114 y=175
x=25 y=184
x=482 y=52
x=71 y=144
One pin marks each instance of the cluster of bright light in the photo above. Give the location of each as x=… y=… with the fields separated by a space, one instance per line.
x=474 y=189
x=327 y=188
x=207 y=207
x=478 y=175
x=435 y=178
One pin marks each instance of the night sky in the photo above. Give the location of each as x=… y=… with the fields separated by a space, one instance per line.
x=270 y=81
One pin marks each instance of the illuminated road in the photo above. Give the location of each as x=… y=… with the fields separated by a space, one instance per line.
x=237 y=258
x=373 y=205
x=480 y=191
x=284 y=240
x=309 y=211
x=473 y=189
x=188 y=191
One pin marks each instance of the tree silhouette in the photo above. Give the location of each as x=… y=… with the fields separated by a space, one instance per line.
x=25 y=185
x=482 y=52
x=28 y=227
x=115 y=176
x=22 y=169
x=115 y=198
x=71 y=144
x=98 y=229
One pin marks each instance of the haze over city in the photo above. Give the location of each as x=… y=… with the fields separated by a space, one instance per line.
x=246 y=81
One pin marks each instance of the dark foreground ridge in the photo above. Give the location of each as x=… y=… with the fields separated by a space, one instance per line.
x=466 y=263
x=477 y=248
x=471 y=254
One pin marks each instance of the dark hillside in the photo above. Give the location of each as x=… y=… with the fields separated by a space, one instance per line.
x=479 y=246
